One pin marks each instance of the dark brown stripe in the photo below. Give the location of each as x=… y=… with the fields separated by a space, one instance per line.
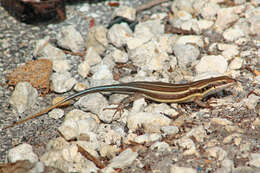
x=194 y=92
x=168 y=87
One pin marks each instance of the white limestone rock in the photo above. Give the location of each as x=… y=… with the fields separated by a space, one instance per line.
x=23 y=97
x=69 y=38
x=22 y=152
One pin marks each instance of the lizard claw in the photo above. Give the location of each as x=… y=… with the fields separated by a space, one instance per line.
x=119 y=108
x=123 y=103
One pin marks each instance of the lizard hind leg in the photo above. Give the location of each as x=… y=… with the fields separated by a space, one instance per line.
x=199 y=102
x=124 y=103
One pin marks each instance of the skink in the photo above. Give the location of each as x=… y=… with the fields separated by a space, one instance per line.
x=155 y=91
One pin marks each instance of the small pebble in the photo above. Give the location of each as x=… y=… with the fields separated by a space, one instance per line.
x=23 y=97
x=124 y=159
x=217 y=153
x=170 y=130
x=56 y=113
x=45 y=50
x=177 y=169
x=60 y=66
x=62 y=82
x=69 y=38
x=212 y=63
x=22 y=152
x=97 y=38
x=126 y=12
x=119 y=34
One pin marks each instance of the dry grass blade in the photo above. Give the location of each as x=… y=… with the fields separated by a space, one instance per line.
x=86 y=154
x=149 y=4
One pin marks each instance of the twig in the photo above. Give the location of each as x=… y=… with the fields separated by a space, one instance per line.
x=252 y=92
x=254 y=72
x=73 y=53
x=84 y=53
x=174 y=30
x=149 y=4
x=86 y=154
